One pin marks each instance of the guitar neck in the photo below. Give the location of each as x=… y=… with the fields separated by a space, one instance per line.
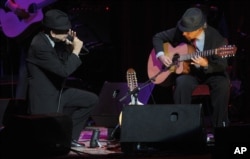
x=45 y=3
x=199 y=53
x=131 y=79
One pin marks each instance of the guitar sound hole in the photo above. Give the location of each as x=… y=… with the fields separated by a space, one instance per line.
x=163 y=67
x=175 y=58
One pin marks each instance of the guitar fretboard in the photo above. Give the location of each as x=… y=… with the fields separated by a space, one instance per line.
x=44 y=3
x=223 y=52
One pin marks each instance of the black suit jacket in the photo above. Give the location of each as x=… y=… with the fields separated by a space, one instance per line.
x=47 y=71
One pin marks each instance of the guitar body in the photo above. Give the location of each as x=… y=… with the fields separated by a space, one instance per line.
x=12 y=26
x=155 y=65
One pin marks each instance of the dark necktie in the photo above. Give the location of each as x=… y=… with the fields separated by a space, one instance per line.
x=195 y=44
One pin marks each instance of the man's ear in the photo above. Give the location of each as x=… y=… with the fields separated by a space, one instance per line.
x=52 y=34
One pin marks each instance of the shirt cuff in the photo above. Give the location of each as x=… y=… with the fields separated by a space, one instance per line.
x=159 y=54
x=205 y=67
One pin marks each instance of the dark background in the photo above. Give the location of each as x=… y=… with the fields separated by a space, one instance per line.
x=119 y=34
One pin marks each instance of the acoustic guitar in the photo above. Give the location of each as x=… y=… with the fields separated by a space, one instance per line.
x=13 y=26
x=132 y=84
x=182 y=53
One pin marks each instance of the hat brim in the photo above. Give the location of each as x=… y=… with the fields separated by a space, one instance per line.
x=190 y=29
x=65 y=27
x=56 y=19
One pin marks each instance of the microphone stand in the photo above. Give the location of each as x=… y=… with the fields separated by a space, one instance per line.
x=135 y=91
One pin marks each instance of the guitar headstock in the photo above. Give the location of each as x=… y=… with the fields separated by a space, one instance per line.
x=226 y=51
x=131 y=79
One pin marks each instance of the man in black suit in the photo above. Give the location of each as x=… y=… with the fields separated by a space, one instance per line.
x=211 y=70
x=51 y=59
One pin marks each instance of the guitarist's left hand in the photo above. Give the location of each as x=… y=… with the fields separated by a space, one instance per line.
x=198 y=60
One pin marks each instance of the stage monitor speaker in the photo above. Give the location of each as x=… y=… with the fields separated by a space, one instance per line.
x=15 y=107
x=9 y=107
x=3 y=106
x=162 y=127
x=37 y=135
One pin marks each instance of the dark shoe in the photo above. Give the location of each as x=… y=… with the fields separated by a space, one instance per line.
x=74 y=143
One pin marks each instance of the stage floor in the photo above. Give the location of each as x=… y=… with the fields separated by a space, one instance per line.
x=111 y=148
x=228 y=139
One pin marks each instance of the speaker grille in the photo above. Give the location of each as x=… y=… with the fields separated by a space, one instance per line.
x=175 y=124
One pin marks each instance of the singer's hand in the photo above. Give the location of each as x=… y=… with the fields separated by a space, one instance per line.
x=77 y=45
x=76 y=42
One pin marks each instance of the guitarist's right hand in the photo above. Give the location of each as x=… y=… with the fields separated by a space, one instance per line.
x=165 y=60
x=21 y=13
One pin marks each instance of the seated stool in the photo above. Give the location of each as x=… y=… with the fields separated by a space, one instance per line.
x=201 y=90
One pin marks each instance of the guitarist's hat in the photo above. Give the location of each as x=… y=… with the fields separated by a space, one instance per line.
x=56 y=19
x=191 y=20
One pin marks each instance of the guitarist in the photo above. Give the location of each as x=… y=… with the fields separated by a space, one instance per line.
x=211 y=70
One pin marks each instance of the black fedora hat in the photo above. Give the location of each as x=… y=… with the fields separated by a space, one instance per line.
x=191 y=20
x=56 y=19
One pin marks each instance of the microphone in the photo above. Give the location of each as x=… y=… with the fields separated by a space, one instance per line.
x=84 y=50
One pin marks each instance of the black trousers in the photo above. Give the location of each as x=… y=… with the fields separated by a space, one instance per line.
x=219 y=95
x=78 y=104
